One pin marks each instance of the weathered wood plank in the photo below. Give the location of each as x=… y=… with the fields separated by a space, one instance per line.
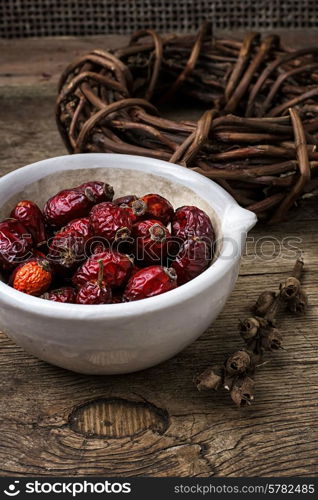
x=155 y=423
x=39 y=62
x=46 y=58
x=39 y=403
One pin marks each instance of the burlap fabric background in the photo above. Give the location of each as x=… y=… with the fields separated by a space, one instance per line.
x=27 y=18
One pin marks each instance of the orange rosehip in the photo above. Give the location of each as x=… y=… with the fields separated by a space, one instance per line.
x=33 y=277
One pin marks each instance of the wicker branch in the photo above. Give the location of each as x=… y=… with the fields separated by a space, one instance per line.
x=264 y=154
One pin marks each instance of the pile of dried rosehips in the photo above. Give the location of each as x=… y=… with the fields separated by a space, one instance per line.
x=87 y=248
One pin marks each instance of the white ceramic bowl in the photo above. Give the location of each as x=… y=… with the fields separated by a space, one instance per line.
x=122 y=338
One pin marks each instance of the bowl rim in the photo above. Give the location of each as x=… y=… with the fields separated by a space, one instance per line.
x=234 y=226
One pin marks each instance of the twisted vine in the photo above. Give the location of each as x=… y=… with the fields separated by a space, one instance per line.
x=257 y=137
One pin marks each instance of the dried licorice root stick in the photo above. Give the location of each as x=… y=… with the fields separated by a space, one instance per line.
x=260 y=335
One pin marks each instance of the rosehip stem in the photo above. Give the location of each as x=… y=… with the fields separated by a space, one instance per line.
x=100 y=273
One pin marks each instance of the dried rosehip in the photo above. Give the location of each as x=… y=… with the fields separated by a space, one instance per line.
x=99 y=247
x=97 y=191
x=81 y=227
x=125 y=200
x=64 y=294
x=66 y=250
x=189 y=222
x=15 y=243
x=33 y=277
x=157 y=207
x=135 y=207
x=95 y=292
x=111 y=222
x=150 y=281
x=151 y=240
x=32 y=218
x=92 y=293
x=65 y=206
x=193 y=258
x=117 y=269
x=136 y=210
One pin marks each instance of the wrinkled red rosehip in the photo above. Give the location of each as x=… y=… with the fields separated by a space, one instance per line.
x=111 y=222
x=189 y=222
x=149 y=282
x=117 y=269
x=151 y=240
x=193 y=258
x=157 y=207
x=65 y=206
x=97 y=191
x=66 y=294
x=94 y=293
x=136 y=210
x=99 y=247
x=66 y=250
x=125 y=200
x=16 y=243
x=81 y=227
x=29 y=214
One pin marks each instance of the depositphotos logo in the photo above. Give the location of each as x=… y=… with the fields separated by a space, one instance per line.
x=76 y=488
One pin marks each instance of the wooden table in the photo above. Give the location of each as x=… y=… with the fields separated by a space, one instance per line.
x=155 y=423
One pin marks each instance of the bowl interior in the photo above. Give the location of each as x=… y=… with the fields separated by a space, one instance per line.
x=125 y=181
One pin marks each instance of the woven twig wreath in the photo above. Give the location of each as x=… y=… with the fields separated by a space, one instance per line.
x=257 y=137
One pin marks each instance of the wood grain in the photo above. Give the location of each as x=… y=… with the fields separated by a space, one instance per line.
x=155 y=423
x=115 y=417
